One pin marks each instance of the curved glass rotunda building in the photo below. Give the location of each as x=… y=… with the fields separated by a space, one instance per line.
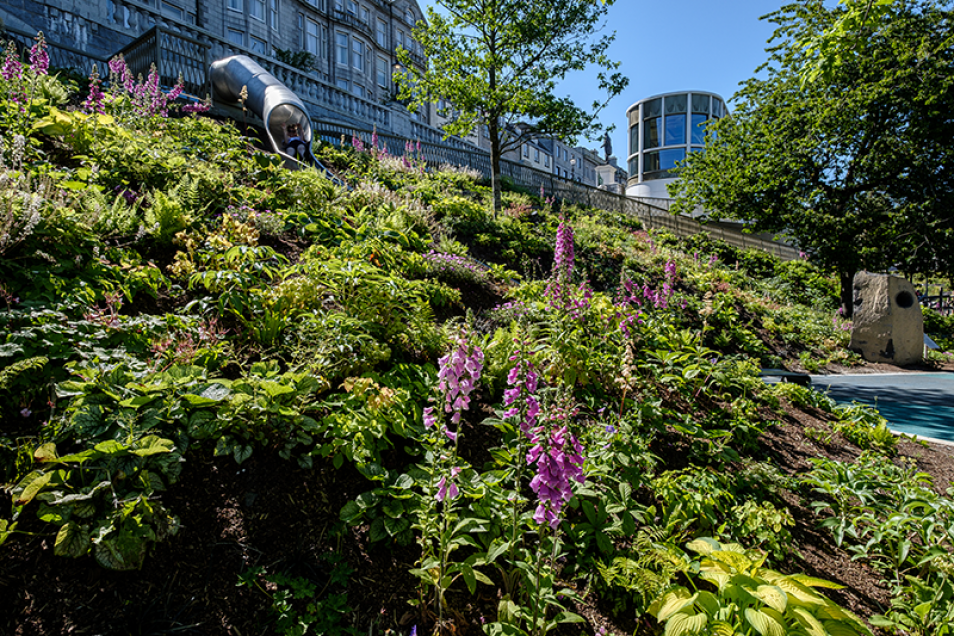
x=662 y=129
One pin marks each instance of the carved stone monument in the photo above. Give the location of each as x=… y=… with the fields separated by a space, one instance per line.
x=887 y=325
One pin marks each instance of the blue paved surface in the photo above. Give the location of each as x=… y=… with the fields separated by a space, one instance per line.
x=919 y=404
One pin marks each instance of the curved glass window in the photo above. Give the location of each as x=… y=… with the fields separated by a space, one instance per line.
x=698 y=129
x=652 y=108
x=669 y=158
x=676 y=103
x=653 y=135
x=634 y=166
x=675 y=129
x=700 y=103
x=718 y=108
x=634 y=139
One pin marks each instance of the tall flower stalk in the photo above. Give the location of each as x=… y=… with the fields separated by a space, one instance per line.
x=458 y=376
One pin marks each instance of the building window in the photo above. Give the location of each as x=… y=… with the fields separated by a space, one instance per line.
x=357 y=55
x=675 y=129
x=366 y=15
x=312 y=38
x=409 y=17
x=536 y=155
x=171 y=9
x=546 y=161
x=352 y=7
x=634 y=139
x=400 y=40
x=256 y=9
x=699 y=128
x=343 y=84
x=273 y=14
x=339 y=7
x=341 y=48
x=653 y=133
x=382 y=72
x=258 y=45
x=236 y=5
x=526 y=150
x=382 y=33
x=236 y=37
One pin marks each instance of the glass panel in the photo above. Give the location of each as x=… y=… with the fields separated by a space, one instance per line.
x=258 y=45
x=698 y=129
x=634 y=167
x=634 y=140
x=633 y=116
x=718 y=108
x=675 y=129
x=700 y=103
x=342 y=48
x=676 y=103
x=652 y=108
x=650 y=161
x=236 y=37
x=668 y=158
x=652 y=137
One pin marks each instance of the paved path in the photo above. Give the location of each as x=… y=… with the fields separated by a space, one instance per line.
x=919 y=404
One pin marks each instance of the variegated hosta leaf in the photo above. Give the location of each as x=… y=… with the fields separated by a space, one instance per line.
x=671 y=602
x=808 y=622
x=763 y=623
x=812 y=581
x=686 y=624
x=704 y=545
x=799 y=594
x=835 y=628
x=773 y=596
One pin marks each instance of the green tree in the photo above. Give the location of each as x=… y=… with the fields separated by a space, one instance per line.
x=857 y=165
x=497 y=62
x=844 y=39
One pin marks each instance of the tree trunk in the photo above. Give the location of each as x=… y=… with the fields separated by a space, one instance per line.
x=847 y=300
x=494 y=130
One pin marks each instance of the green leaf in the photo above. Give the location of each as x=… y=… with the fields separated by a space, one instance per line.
x=763 y=623
x=467 y=572
x=396 y=526
x=212 y=394
x=378 y=530
x=29 y=486
x=671 y=602
x=45 y=453
x=71 y=541
x=350 y=512
x=241 y=452
x=153 y=445
x=772 y=596
x=685 y=623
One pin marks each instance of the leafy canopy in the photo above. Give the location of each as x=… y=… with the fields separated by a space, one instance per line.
x=858 y=165
x=497 y=63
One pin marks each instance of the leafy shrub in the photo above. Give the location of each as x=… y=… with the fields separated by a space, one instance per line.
x=749 y=598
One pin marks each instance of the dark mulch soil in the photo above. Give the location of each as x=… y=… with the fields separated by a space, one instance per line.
x=268 y=512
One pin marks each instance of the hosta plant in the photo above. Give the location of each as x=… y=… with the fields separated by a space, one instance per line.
x=738 y=597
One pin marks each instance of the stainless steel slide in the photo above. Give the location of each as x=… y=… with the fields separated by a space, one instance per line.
x=267 y=97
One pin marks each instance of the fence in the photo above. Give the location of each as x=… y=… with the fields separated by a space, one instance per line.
x=61 y=55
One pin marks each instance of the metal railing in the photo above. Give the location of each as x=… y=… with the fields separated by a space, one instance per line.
x=174 y=56
x=62 y=56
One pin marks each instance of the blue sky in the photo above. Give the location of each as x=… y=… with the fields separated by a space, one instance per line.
x=673 y=45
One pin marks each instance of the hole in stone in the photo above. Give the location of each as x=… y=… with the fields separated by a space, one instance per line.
x=904 y=299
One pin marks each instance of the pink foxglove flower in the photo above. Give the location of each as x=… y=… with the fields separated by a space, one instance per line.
x=39 y=57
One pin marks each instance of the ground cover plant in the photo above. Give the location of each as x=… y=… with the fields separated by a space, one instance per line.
x=247 y=400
